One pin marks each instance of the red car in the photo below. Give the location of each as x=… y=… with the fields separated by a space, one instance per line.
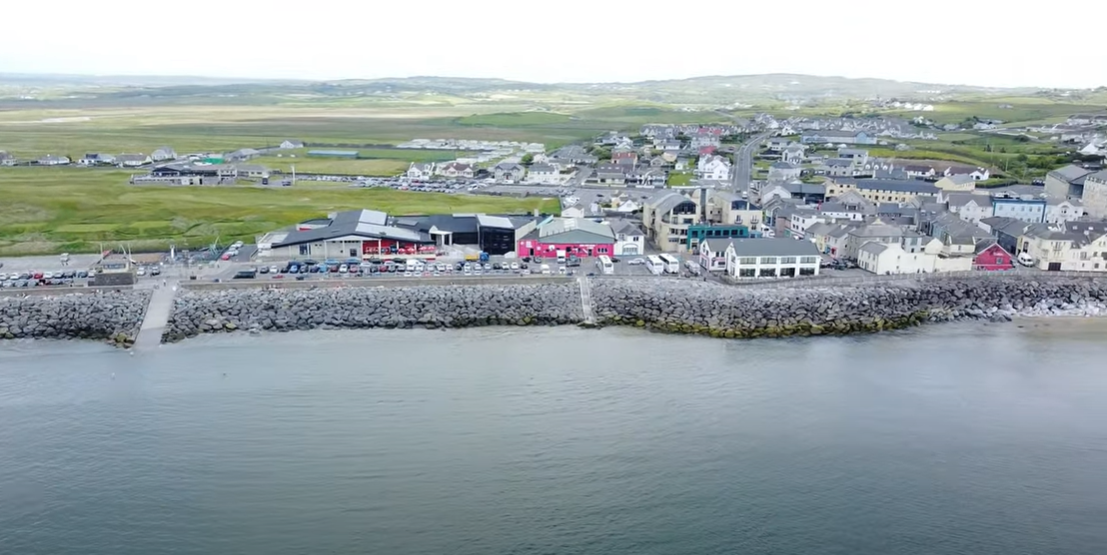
x=225 y=257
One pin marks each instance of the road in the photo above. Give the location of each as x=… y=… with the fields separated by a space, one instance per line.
x=743 y=162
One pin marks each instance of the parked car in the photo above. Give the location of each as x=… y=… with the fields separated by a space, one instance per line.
x=263 y=270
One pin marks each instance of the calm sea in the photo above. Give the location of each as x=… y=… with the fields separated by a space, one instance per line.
x=981 y=440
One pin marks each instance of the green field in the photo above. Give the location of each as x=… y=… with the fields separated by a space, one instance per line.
x=52 y=210
x=679 y=179
x=336 y=166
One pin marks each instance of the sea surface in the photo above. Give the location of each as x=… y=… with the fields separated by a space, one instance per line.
x=959 y=439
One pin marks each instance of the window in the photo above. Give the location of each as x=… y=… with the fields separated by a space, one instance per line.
x=747 y=273
x=747 y=261
x=999 y=260
x=788 y=260
x=1083 y=255
x=809 y=260
x=768 y=260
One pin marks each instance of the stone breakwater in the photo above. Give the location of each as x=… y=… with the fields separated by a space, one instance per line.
x=112 y=316
x=724 y=311
x=427 y=306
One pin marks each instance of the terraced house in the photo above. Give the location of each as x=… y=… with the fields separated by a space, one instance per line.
x=900 y=191
x=1095 y=195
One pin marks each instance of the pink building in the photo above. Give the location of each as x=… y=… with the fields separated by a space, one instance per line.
x=571 y=236
x=991 y=257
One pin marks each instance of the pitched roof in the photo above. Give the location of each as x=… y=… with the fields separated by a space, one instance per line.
x=875 y=248
x=666 y=201
x=1070 y=172
x=364 y=223
x=1098 y=176
x=574 y=230
x=877 y=230
x=895 y=185
x=625 y=227
x=960 y=178
x=774 y=247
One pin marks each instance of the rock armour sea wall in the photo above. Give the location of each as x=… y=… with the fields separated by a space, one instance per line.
x=724 y=311
x=111 y=316
x=427 y=306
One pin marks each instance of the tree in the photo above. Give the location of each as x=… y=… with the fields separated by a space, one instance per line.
x=527 y=160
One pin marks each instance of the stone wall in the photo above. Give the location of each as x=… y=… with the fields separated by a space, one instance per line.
x=112 y=316
x=430 y=306
x=723 y=311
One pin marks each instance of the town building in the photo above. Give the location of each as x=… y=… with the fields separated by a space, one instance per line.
x=544 y=174
x=714 y=168
x=163 y=154
x=1059 y=211
x=1028 y=210
x=771 y=258
x=890 y=258
x=1095 y=195
x=991 y=257
x=666 y=217
x=881 y=190
x=713 y=254
x=957 y=182
x=289 y=144
x=456 y=169
x=420 y=171
x=53 y=160
x=566 y=236
x=630 y=240
x=508 y=172
x=1066 y=182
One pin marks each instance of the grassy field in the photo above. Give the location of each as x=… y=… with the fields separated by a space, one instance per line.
x=679 y=179
x=338 y=166
x=51 y=210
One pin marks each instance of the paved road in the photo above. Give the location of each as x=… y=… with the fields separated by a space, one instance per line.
x=743 y=162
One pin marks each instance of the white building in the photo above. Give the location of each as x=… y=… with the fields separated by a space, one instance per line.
x=420 y=170
x=887 y=259
x=630 y=240
x=1061 y=211
x=754 y=258
x=713 y=254
x=713 y=167
x=543 y=174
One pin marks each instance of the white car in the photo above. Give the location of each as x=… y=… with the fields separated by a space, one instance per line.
x=343 y=269
x=514 y=265
x=274 y=270
x=637 y=262
x=141 y=272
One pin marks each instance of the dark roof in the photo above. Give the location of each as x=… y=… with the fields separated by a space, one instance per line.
x=442 y=222
x=625 y=227
x=1069 y=173
x=805 y=188
x=369 y=224
x=774 y=247
x=896 y=185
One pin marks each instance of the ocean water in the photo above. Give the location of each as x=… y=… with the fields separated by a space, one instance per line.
x=960 y=439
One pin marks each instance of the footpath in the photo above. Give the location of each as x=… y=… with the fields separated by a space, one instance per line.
x=157 y=316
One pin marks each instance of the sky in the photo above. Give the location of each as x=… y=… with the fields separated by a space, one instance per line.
x=973 y=42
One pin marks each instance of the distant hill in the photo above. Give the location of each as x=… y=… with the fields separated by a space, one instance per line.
x=697 y=90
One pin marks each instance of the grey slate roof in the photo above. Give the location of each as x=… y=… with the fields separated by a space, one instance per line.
x=365 y=223
x=874 y=248
x=1070 y=172
x=666 y=201
x=895 y=185
x=575 y=230
x=961 y=178
x=774 y=247
x=877 y=230
x=1098 y=176
x=626 y=227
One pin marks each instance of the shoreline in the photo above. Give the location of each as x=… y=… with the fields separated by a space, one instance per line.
x=669 y=306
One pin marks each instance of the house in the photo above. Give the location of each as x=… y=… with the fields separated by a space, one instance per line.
x=809 y=193
x=837 y=138
x=818 y=234
x=770 y=258
x=877 y=232
x=132 y=160
x=784 y=171
x=544 y=174
x=1095 y=195
x=881 y=190
x=793 y=153
x=456 y=169
x=715 y=168
x=289 y=144
x=682 y=163
x=568 y=236
x=705 y=138
x=52 y=160
x=990 y=256
x=6 y=159
x=508 y=172
x=163 y=154
x=667 y=217
x=777 y=144
x=420 y=171
x=658 y=162
x=97 y=159
x=890 y=258
x=610 y=174
x=957 y=182
x=669 y=145
x=837 y=167
x=1028 y=210
x=727 y=208
x=1066 y=182
x=630 y=240
x=1067 y=250
x=256 y=171
x=628 y=158
x=713 y=253
x=799 y=219
x=918 y=171
x=856 y=155
x=838 y=210
x=1059 y=211
x=969 y=207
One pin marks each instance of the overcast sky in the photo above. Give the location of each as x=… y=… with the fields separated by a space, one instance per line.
x=978 y=42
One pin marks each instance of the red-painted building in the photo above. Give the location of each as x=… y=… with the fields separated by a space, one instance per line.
x=992 y=257
x=568 y=236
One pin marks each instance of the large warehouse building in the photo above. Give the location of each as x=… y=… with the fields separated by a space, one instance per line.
x=370 y=233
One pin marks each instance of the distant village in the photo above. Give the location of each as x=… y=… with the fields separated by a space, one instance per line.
x=764 y=197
